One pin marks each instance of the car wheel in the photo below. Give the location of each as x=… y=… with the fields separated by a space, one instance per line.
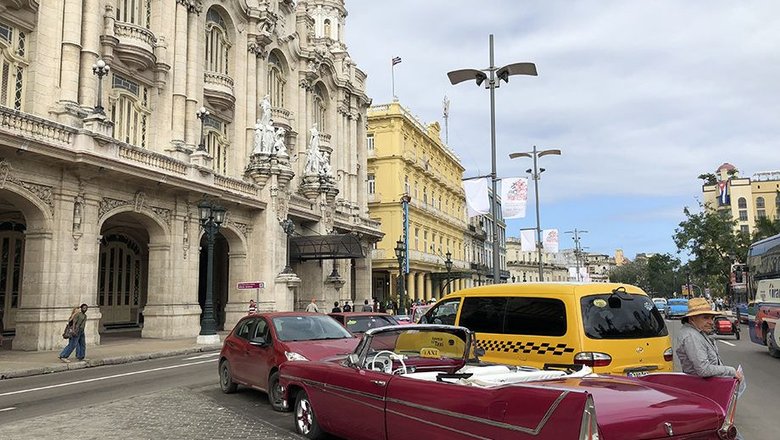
x=774 y=350
x=226 y=379
x=275 y=392
x=305 y=421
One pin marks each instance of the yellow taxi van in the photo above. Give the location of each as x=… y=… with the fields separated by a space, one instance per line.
x=613 y=328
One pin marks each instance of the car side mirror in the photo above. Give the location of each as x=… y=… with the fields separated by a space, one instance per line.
x=353 y=360
x=259 y=342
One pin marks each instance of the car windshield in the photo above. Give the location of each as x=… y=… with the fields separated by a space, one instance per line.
x=429 y=343
x=359 y=324
x=308 y=328
x=622 y=319
x=419 y=311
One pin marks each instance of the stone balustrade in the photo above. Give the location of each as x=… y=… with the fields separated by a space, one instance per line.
x=33 y=127
x=234 y=185
x=152 y=159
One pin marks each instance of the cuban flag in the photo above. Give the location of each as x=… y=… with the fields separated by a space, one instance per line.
x=724 y=198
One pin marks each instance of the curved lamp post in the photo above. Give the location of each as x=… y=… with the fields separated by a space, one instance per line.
x=202 y=114
x=400 y=254
x=211 y=218
x=536 y=174
x=493 y=76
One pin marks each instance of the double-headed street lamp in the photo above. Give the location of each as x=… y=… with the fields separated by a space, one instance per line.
x=211 y=218
x=536 y=174
x=101 y=69
x=400 y=254
x=494 y=76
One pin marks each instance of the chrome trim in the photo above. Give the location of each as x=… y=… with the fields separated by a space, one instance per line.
x=669 y=430
x=333 y=389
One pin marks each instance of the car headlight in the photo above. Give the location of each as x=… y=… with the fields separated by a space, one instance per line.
x=293 y=356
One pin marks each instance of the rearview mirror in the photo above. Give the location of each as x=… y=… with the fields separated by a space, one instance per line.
x=353 y=360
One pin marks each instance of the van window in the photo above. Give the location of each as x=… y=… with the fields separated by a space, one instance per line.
x=514 y=316
x=442 y=313
x=634 y=319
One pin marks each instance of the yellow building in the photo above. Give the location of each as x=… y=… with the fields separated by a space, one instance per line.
x=406 y=157
x=747 y=199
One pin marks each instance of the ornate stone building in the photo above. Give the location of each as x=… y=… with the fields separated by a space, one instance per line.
x=99 y=185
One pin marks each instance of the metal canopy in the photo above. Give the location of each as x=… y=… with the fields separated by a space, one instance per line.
x=325 y=247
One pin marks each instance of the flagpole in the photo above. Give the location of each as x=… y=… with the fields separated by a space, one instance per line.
x=392 y=77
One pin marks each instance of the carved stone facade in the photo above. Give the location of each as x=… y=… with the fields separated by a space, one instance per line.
x=101 y=208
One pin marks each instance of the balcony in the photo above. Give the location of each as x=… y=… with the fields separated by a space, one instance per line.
x=218 y=89
x=135 y=45
x=281 y=117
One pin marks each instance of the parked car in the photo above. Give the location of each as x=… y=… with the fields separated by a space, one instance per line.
x=419 y=311
x=660 y=304
x=613 y=328
x=259 y=343
x=359 y=322
x=406 y=381
x=724 y=325
x=676 y=308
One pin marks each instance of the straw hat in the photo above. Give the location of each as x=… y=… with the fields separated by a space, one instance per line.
x=700 y=306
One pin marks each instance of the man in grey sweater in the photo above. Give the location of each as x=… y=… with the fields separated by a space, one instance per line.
x=697 y=352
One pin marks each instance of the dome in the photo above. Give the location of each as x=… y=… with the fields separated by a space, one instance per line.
x=726 y=166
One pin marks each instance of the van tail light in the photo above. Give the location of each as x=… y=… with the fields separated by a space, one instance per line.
x=589 y=427
x=592 y=359
x=727 y=430
x=668 y=354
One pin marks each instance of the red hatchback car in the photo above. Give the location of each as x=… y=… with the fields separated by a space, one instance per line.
x=259 y=343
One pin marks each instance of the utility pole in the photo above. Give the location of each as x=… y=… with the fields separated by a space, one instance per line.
x=577 y=249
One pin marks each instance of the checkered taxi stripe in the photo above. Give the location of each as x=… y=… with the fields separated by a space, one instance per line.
x=524 y=347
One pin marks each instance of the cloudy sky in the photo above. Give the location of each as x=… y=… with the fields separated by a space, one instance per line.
x=641 y=97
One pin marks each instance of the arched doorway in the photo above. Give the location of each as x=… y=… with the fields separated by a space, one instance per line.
x=220 y=280
x=11 y=268
x=122 y=270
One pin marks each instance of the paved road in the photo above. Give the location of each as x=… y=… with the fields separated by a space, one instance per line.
x=757 y=411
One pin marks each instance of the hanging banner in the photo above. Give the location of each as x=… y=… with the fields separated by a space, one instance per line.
x=477 y=201
x=514 y=196
x=550 y=240
x=527 y=240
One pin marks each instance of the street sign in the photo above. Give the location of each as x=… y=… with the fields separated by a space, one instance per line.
x=249 y=285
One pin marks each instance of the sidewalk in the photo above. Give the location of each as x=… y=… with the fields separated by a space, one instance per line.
x=115 y=348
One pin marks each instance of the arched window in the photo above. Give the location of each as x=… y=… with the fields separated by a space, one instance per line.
x=217 y=143
x=276 y=81
x=13 y=66
x=760 y=203
x=217 y=44
x=130 y=111
x=742 y=203
x=138 y=12
x=327 y=29
x=319 y=108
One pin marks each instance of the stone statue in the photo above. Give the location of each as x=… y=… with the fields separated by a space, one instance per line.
x=313 y=156
x=265 y=111
x=264 y=129
x=314 y=139
x=325 y=168
x=279 y=147
x=258 y=138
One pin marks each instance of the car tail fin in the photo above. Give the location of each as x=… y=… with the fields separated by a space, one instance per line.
x=589 y=428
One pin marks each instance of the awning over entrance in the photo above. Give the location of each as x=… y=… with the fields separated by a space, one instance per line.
x=325 y=247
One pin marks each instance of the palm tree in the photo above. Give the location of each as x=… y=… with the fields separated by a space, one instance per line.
x=708 y=178
x=765 y=227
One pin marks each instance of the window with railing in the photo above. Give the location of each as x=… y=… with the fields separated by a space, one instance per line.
x=276 y=81
x=215 y=133
x=217 y=44
x=130 y=110
x=13 y=66
x=319 y=108
x=138 y=12
x=371 y=184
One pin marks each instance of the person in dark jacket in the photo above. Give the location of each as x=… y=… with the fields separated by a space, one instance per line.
x=78 y=320
x=336 y=308
x=367 y=307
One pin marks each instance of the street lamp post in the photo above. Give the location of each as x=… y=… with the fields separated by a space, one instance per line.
x=448 y=265
x=101 y=69
x=577 y=249
x=202 y=114
x=211 y=218
x=400 y=254
x=536 y=174
x=494 y=76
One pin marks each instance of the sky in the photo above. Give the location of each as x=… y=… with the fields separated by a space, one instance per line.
x=640 y=96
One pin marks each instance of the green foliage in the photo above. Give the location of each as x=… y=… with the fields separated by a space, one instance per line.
x=709 y=237
x=658 y=275
x=708 y=178
x=766 y=228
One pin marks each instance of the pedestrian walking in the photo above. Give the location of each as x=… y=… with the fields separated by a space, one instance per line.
x=367 y=307
x=697 y=352
x=312 y=307
x=77 y=339
x=347 y=306
x=336 y=308
x=252 y=306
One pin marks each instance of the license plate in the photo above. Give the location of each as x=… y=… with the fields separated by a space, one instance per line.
x=637 y=373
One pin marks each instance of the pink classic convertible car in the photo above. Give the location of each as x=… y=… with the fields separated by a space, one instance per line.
x=425 y=380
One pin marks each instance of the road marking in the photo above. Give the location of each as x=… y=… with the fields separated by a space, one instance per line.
x=113 y=376
x=202 y=356
x=727 y=343
x=10 y=408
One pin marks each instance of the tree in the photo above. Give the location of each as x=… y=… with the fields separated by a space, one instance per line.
x=634 y=273
x=663 y=274
x=710 y=238
x=708 y=178
x=766 y=228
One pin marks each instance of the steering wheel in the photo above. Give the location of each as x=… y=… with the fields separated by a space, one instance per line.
x=388 y=366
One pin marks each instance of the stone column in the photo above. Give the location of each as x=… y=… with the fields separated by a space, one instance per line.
x=363 y=285
x=90 y=39
x=429 y=287
x=411 y=285
x=252 y=79
x=71 y=51
x=194 y=81
x=179 y=77
x=238 y=300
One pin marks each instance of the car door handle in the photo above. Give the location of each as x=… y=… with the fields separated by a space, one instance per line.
x=381 y=383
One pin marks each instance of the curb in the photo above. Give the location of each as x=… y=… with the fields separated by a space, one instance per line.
x=116 y=360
